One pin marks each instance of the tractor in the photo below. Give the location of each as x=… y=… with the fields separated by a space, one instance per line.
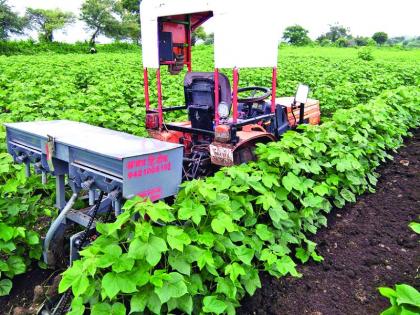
x=225 y=123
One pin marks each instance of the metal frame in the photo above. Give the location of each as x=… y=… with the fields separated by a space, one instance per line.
x=235 y=72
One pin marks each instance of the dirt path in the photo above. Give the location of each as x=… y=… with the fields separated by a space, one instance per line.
x=366 y=245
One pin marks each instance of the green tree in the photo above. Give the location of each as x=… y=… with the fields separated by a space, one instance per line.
x=129 y=13
x=210 y=39
x=342 y=42
x=114 y=19
x=132 y=6
x=199 y=33
x=10 y=22
x=361 y=41
x=98 y=15
x=380 y=38
x=296 y=35
x=47 y=21
x=336 y=31
x=396 y=40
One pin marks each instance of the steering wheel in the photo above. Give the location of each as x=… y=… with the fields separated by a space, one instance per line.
x=254 y=90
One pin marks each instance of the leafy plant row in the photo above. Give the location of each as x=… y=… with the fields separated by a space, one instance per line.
x=107 y=89
x=22 y=209
x=203 y=254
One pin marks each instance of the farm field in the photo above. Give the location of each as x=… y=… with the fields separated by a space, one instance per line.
x=367 y=107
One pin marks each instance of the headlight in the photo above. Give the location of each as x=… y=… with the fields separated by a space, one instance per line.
x=223 y=110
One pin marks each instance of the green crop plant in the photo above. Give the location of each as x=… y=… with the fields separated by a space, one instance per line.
x=21 y=208
x=404 y=300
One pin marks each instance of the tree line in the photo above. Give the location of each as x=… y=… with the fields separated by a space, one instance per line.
x=339 y=35
x=120 y=20
x=116 y=19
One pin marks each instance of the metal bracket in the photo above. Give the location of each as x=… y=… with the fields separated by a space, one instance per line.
x=50 y=151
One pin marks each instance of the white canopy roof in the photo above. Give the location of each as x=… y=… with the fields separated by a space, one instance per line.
x=245 y=33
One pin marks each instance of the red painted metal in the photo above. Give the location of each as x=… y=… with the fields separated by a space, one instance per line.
x=189 y=41
x=273 y=90
x=235 y=94
x=216 y=96
x=159 y=90
x=146 y=88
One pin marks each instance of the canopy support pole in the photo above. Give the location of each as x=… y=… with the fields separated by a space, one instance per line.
x=216 y=96
x=189 y=40
x=273 y=90
x=159 y=90
x=146 y=88
x=235 y=94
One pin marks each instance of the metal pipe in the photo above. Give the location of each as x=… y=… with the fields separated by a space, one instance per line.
x=146 y=88
x=28 y=169
x=48 y=257
x=60 y=191
x=189 y=40
x=273 y=90
x=91 y=197
x=235 y=94
x=216 y=96
x=44 y=177
x=159 y=90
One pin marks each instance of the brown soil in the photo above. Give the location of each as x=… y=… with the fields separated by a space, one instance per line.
x=366 y=245
x=23 y=289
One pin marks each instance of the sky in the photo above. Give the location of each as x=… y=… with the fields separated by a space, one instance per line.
x=363 y=17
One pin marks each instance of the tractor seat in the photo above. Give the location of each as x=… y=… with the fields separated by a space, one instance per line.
x=199 y=97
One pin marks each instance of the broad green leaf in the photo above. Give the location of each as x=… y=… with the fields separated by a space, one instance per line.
x=77 y=307
x=348 y=195
x=192 y=210
x=251 y=281
x=151 y=250
x=6 y=232
x=206 y=258
x=226 y=287
x=74 y=277
x=101 y=309
x=153 y=303
x=32 y=238
x=264 y=233
x=211 y=304
x=184 y=303
x=415 y=227
x=179 y=263
x=177 y=238
x=387 y=292
x=406 y=294
x=222 y=223
x=286 y=265
x=113 y=283
x=16 y=265
x=138 y=301
x=244 y=254
x=143 y=230
x=175 y=287
x=118 y=309
x=277 y=214
x=160 y=212
x=291 y=181
x=234 y=271
x=123 y=263
x=5 y=287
